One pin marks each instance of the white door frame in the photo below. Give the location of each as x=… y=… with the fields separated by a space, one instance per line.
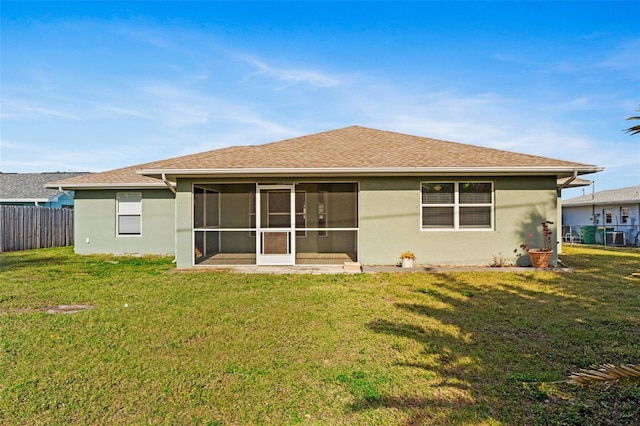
x=261 y=229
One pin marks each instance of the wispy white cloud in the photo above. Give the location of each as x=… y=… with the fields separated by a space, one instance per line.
x=146 y=35
x=575 y=104
x=80 y=158
x=289 y=75
x=17 y=146
x=197 y=77
x=51 y=113
x=179 y=107
x=625 y=58
x=38 y=165
x=129 y=112
x=183 y=107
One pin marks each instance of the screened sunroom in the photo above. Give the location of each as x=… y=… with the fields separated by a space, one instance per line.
x=275 y=224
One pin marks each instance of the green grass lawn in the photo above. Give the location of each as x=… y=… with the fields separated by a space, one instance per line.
x=166 y=347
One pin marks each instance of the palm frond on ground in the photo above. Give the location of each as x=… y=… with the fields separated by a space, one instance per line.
x=607 y=375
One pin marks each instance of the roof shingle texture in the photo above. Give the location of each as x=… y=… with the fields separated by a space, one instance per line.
x=610 y=196
x=351 y=147
x=21 y=186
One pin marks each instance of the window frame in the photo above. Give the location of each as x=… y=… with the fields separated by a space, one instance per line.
x=253 y=224
x=456 y=205
x=206 y=193
x=119 y=214
x=298 y=214
x=624 y=215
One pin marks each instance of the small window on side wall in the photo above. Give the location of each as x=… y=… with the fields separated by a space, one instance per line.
x=129 y=213
x=608 y=217
x=624 y=215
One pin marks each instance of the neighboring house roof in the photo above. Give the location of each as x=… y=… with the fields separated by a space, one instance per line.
x=629 y=195
x=30 y=187
x=352 y=150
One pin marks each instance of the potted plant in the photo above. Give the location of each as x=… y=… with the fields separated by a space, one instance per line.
x=407 y=258
x=540 y=257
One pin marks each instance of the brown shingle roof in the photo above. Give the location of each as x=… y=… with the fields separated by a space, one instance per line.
x=351 y=148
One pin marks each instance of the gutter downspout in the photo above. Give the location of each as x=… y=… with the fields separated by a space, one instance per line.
x=175 y=218
x=65 y=192
x=559 y=211
x=568 y=182
x=169 y=184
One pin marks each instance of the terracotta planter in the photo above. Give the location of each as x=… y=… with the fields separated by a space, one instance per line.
x=407 y=262
x=539 y=258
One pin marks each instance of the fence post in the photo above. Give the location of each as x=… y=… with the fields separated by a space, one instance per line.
x=2 y=226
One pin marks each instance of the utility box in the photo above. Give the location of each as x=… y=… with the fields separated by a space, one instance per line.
x=600 y=236
x=616 y=239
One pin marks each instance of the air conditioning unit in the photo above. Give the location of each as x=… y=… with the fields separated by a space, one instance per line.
x=616 y=239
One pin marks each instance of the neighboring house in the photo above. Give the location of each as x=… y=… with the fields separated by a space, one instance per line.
x=615 y=209
x=28 y=189
x=348 y=195
x=566 y=233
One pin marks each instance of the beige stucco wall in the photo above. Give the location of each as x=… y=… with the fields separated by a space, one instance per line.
x=95 y=221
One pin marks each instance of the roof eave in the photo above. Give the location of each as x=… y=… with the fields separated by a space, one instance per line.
x=24 y=200
x=113 y=185
x=375 y=171
x=599 y=203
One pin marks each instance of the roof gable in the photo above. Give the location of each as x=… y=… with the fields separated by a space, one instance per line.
x=351 y=149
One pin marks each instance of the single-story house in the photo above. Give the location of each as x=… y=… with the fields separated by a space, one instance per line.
x=28 y=189
x=349 y=195
x=615 y=210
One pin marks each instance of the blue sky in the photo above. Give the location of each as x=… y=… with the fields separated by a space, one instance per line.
x=92 y=86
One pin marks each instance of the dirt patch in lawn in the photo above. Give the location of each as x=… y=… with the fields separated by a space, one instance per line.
x=67 y=309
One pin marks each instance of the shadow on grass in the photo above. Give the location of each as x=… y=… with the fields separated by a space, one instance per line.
x=13 y=262
x=509 y=346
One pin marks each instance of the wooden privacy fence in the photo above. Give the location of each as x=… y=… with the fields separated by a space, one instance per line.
x=24 y=228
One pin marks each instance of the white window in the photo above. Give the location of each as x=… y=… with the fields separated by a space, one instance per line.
x=624 y=215
x=129 y=213
x=457 y=205
x=608 y=217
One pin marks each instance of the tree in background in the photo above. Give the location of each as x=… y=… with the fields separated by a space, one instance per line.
x=634 y=129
